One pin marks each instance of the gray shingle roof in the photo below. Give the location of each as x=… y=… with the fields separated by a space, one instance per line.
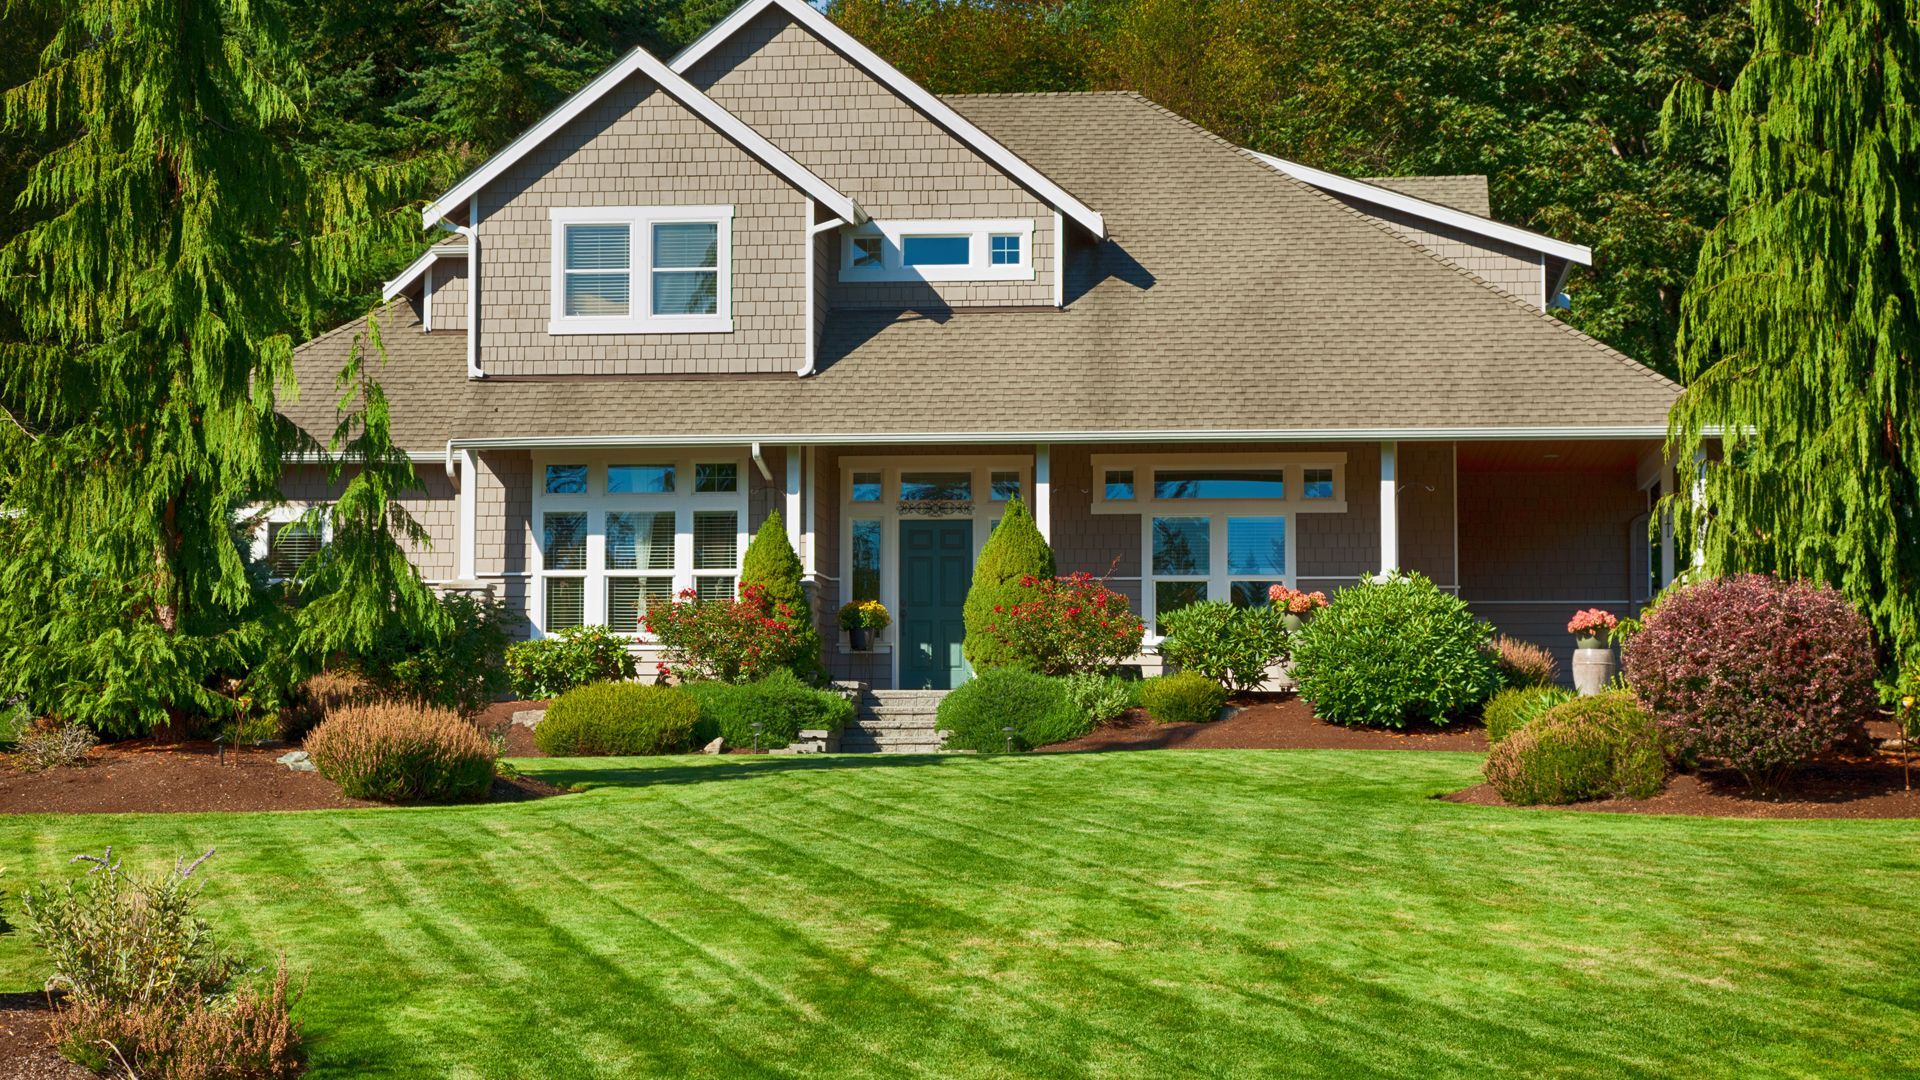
x=1230 y=298
x=1466 y=192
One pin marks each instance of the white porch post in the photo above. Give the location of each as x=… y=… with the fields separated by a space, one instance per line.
x=808 y=500
x=1697 y=494
x=469 y=517
x=1666 y=527
x=1043 y=489
x=792 y=511
x=1389 y=508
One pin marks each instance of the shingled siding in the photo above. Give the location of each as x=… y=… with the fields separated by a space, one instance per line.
x=639 y=147
x=869 y=143
x=435 y=509
x=449 y=304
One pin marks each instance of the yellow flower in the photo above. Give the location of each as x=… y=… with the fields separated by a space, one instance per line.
x=1907 y=702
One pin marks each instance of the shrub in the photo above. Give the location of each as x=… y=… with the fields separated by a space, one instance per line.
x=770 y=563
x=1759 y=673
x=618 y=719
x=1523 y=664
x=395 y=751
x=783 y=705
x=1100 y=698
x=460 y=666
x=976 y=713
x=1512 y=708
x=1014 y=551
x=731 y=641
x=1057 y=626
x=1587 y=748
x=49 y=745
x=1388 y=652
x=15 y=719
x=1228 y=644
x=551 y=666
x=1187 y=697
x=321 y=694
x=250 y=1035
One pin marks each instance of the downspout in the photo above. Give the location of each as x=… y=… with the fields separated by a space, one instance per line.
x=813 y=273
x=761 y=464
x=472 y=236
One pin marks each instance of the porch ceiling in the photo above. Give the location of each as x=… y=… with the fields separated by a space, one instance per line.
x=1596 y=455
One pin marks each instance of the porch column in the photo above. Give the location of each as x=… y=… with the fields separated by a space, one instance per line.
x=1389 y=508
x=1043 y=489
x=1666 y=526
x=469 y=516
x=1697 y=494
x=792 y=511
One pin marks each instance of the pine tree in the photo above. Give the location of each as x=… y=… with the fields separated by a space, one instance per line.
x=1015 y=550
x=771 y=563
x=1800 y=341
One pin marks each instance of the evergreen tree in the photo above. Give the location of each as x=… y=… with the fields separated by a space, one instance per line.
x=771 y=563
x=1800 y=340
x=1014 y=550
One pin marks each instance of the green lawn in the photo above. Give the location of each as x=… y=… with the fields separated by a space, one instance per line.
x=1147 y=914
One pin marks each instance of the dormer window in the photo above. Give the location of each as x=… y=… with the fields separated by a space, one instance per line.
x=867 y=253
x=642 y=270
x=938 y=251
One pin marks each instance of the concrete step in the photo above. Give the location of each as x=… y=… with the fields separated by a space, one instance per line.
x=851 y=747
x=892 y=723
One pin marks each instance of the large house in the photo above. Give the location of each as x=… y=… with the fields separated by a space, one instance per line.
x=774 y=274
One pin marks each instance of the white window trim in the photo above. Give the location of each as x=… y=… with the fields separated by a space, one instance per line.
x=683 y=503
x=979 y=266
x=285 y=514
x=640 y=318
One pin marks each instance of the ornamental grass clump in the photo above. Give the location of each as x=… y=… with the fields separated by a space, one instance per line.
x=1598 y=747
x=1186 y=697
x=395 y=751
x=618 y=720
x=1058 y=626
x=1524 y=664
x=1513 y=708
x=1386 y=653
x=1756 y=672
x=977 y=713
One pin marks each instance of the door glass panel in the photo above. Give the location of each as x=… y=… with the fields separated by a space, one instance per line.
x=1219 y=484
x=565 y=546
x=1257 y=545
x=640 y=479
x=1182 y=546
x=929 y=486
x=866 y=560
x=640 y=541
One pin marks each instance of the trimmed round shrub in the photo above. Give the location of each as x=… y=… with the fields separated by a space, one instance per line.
x=977 y=712
x=1228 y=644
x=550 y=666
x=1187 y=697
x=1101 y=698
x=1512 y=709
x=1386 y=653
x=618 y=719
x=1523 y=664
x=1756 y=672
x=782 y=703
x=396 y=751
x=1595 y=747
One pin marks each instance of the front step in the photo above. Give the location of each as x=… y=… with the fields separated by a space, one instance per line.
x=894 y=722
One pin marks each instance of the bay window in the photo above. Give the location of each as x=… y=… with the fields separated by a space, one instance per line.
x=642 y=269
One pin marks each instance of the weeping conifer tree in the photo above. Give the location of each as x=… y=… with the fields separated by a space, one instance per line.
x=174 y=247
x=1800 y=338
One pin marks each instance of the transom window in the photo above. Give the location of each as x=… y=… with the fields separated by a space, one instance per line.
x=1219 y=484
x=662 y=269
x=960 y=250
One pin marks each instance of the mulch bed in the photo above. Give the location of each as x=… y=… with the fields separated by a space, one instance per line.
x=1269 y=723
x=25 y=1053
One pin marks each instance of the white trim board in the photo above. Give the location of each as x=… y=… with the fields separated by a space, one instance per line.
x=420 y=266
x=642 y=62
x=1432 y=211
x=916 y=95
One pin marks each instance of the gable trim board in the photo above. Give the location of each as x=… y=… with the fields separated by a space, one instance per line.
x=942 y=114
x=1446 y=215
x=420 y=266
x=641 y=62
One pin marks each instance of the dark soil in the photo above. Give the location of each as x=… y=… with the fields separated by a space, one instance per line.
x=1850 y=786
x=143 y=777
x=25 y=1053
x=1270 y=723
x=497 y=719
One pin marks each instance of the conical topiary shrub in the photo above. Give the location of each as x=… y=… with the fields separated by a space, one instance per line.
x=1014 y=550
x=770 y=563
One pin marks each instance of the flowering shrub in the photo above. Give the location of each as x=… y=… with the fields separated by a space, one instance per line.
x=396 y=751
x=551 y=666
x=865 y=615
x=1230 y=645
x=730 y=641
x=1060 y=625
x=1592 y=622
x=1295 y=602
x=1757 y=672
x=1522 y=663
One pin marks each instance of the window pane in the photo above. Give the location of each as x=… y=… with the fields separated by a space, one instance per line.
x=639 y=479
x=934 y=250
x=918 y=487
x=1317 y=484
x=716 y=541
x=722 y=476
x=686 y=245
x=1251 y=593
x=1171 y=596
x=866 y=251
x=1119 y=484
x=629 y=597
x=289 y=545
x=1219 y=484
x=866 y=487
x=713 y=588
x=1006 y=250
x=1182 y=546
x=640 y=541
x=686 y=292
x=566 y=541
x=597 y=247
x=566 y=479
x=1006 y=485
x=866 y=560
x=566 y=603
x=1257 y=545
x=597 y=295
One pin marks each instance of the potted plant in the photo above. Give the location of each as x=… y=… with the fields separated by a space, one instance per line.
x=1296 y=606
x=1593 y=662
x=862 y=619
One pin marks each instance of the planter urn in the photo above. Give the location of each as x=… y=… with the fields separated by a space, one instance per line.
x=1594 y=666
x=1293 y=622
x=861 y=638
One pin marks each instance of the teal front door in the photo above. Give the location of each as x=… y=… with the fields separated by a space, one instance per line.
x=936 y=566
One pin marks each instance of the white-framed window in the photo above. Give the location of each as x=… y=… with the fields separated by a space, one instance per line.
x=285 y=538
x=617 y=532
x=956 y=250
x=642 y=270
x=1216 y=526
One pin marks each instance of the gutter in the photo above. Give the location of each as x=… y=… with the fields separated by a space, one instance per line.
x=1460 y=434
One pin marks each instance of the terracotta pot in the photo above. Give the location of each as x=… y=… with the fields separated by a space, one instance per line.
x=861 y=638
